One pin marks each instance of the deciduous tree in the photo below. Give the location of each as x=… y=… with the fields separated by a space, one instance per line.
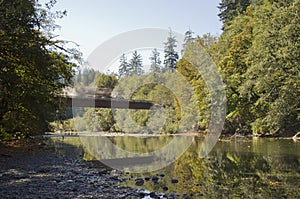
x=34 y=67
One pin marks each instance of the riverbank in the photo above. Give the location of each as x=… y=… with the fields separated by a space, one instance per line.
x=222 y=137
x=33 y=170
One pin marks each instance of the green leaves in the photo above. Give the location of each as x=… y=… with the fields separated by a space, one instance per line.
x=33 y=68
x=260 y=64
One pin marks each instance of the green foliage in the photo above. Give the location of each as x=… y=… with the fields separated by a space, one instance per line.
x=229 y=9
x=273 y=77
x=258 y=54
x=233 y=66
x=169 y=93
x=258 y=58
x=200 y=92
x=33 y=67
x=106 y=81
x=98 y=119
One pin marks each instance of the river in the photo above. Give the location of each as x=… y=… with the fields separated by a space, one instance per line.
x=250 y=168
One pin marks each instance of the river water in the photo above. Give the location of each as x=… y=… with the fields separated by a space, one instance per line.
x=255 y=168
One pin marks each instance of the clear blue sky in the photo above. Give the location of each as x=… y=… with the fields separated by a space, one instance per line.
x=91 y=22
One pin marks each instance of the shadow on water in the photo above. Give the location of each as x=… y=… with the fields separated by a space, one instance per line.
x=259 y=168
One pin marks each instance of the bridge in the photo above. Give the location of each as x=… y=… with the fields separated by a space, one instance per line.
x=107 y=103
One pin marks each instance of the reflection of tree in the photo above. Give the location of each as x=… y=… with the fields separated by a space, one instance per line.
x=190 y=171
x=238 y=173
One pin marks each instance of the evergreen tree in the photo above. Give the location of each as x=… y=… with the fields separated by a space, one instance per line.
x=155 y=61
x=123 y=68
x=87 y=76
x=187 y=39
x=234 y=65
x=229 y=9
x=171 y=56
x=136 y=66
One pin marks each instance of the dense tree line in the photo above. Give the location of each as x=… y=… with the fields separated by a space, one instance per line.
x=260 y=64
x=257 y=55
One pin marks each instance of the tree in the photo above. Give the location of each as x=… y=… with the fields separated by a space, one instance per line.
x=229 y=9
x=188 y=37
x=272 y=82
x=34 y=68
x=155 y=61
x=259 y=61
x=208 y=40
x=234 y=65
x=106 y=81
x=171 y=56
x=87 y=76
x=123 y=68
x=136 y=65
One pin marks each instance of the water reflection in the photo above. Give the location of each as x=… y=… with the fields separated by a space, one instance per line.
x=261 y=168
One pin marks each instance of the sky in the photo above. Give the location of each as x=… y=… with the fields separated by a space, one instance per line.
x=90 y=23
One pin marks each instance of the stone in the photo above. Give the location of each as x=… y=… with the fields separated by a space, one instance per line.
x=139 y=182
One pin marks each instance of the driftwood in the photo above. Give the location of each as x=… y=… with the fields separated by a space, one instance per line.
x=296 y=136
x=237 y=136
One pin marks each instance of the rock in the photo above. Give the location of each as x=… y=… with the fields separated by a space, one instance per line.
x=154 y=179
x=147 y=178
x=139 y=182
x=165 y=188
x=152 y=195
x=174 y=181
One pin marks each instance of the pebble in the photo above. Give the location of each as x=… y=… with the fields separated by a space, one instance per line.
x=51 y=176
x=139 y=182
x=154 y=179
x=152 y=195
x=147 y=178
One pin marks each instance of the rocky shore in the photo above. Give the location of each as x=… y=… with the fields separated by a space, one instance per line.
x=32 y=170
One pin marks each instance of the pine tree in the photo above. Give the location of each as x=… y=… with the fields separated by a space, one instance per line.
x=155 y=61
x=229 y=9
x=171 y=56
x=123 y=68
x=136 y=66
x=187 y=39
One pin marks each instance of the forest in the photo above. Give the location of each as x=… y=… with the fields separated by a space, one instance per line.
x=257 y=55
